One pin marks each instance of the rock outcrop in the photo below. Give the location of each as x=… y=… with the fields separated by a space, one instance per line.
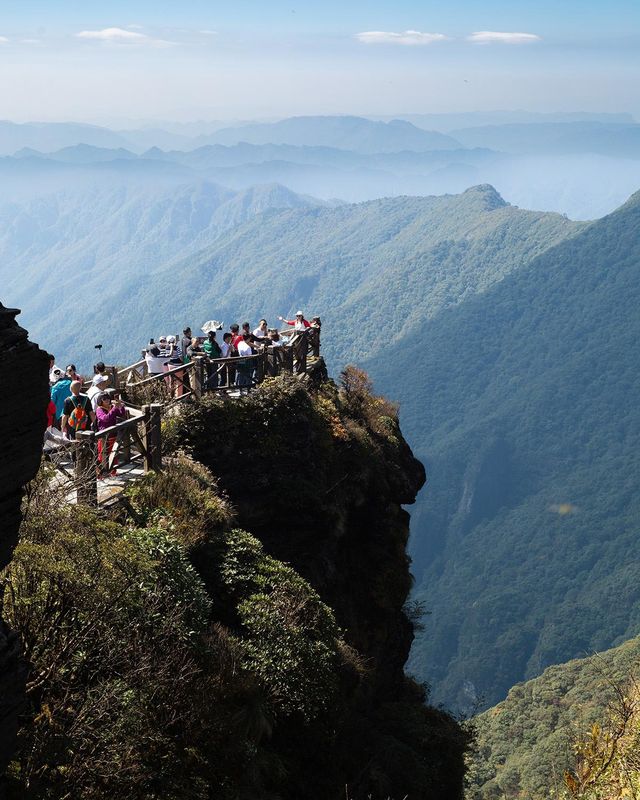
x=23 y=401
x=320 y=478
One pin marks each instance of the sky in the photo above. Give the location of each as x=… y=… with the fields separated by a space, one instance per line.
x=119 y=62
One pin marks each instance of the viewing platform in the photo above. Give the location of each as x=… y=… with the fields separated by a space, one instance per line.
x=133 y=447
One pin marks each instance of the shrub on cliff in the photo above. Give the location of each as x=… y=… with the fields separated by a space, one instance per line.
x=111 y=621
x=137 y=687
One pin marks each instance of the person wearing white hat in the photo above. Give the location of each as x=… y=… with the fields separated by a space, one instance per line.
x=299 y=323
x=98 y=385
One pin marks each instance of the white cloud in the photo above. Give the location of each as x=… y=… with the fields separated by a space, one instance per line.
x=113 y=35
x=30 y=41
x=407 y=38
x=503 y=37
x=209 y=33
x=3 y=40
x=123 y=36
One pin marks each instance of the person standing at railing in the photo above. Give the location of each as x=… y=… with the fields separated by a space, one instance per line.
x=60 y=390
x=153 y=358
x=245 y=367
x=299 y=323
x=185 y=343
x=108 y=413
x=236 y=336
x=314 y=336
x=171 y=355
x=213 y=351
x=99 y=384
x=72 y=374
x=262 y=331
x=194 y=349
x=228 y=351
x=54 y=371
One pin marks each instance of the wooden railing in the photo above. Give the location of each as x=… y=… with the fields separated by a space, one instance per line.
x=136 y=443
x=230 y=376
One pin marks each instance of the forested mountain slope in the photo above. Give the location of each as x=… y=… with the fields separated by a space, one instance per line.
x=509 y=339
x=64 y=253
x=523 y=404
x=372 y=270
x=527 y=742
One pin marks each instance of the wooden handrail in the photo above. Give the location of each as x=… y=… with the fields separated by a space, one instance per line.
x=160 y=375
x=124 y=370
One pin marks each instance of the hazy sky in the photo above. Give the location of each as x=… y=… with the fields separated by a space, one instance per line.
x=195 y=59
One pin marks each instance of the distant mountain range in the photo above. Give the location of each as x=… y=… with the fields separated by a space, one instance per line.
x=345 y=133
x=445 y=123
x=582 y=185
x=47 y=136
x=601 y=138
x=582 y=165
x=511 y=132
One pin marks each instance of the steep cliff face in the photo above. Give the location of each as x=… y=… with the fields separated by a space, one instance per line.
x=23 y=400
x=238 y=634
x=320 y=478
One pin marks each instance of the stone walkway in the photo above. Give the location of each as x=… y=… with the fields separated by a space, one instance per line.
x=108 y=488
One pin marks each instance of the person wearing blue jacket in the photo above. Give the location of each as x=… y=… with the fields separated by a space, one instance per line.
x=60 y=391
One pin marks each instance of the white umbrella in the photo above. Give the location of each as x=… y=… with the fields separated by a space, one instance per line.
x=212 y=325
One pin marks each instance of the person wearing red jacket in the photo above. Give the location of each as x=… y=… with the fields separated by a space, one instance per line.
x=299 y=323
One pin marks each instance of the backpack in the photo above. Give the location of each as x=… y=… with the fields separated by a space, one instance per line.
x=78 y=419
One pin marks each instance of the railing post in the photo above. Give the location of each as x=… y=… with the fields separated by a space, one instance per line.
x=196 y=376
x=86 y=479
x=125 y=447
x=152 y=436
x=115 y=378
x=146 y=437
x=260 y=367
x=287 y=359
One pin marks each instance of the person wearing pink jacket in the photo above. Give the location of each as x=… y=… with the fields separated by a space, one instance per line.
x=108 y=413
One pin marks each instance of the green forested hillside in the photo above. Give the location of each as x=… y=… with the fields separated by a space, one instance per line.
x=509 y=338
x=522 y=402
x=173 y=655
x=527 y=741
x=372 y=270
x=64 y=253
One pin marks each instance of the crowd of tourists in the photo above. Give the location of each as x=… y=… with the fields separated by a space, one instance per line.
x=71 y=410
x=169 y=352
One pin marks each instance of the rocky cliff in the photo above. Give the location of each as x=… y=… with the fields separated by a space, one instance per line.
x=23 y=400
x=236 y=627
x=321 y=479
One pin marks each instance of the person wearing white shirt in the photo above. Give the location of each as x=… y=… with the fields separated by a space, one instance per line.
x=98 y=386
x=245 y=368
x=54 y=371
x=261 y=331
x=225 y=347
